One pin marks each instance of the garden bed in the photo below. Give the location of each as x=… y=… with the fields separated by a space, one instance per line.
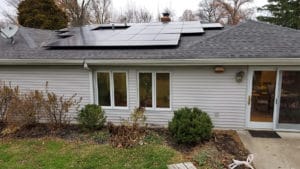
x=216 y=153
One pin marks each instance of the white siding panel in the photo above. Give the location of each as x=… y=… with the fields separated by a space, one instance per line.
x=61 y=80
x=216 y=93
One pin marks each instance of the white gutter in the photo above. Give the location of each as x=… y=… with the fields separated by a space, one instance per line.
x=154 y=62
x=11 y=62
x=186 y=62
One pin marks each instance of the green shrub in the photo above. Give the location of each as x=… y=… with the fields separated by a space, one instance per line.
x=190 y=126
x=201 y=158
x=92 y=117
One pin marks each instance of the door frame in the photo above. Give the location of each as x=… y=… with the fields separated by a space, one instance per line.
x=261 y=125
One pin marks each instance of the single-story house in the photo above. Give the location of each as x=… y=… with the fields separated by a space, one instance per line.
x=244 y=76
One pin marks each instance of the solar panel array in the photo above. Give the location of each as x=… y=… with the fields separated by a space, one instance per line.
x=131 y=35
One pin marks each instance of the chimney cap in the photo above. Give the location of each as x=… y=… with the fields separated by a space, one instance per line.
x=166 y=14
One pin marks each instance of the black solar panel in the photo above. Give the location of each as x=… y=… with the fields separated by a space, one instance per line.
x=212 y=26
x=130 y=35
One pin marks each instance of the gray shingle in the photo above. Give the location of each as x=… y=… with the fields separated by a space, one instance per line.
x=248 y=40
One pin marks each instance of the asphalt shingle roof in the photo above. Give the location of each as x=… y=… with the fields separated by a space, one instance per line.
x=251 y=39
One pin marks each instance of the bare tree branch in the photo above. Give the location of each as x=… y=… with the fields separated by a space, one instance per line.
x=188 y=15
x=77 y=12
x=101 y=11
x=234 y=10
x=133 y=14
x=211 y=11
x=230 y=11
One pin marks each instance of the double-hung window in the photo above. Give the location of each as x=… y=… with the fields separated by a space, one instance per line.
x=112 y=89
x=154 y=90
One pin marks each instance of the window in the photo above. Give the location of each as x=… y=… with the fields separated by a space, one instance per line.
x=160 y=92
x=112 y=89
x=104 y=89
x=145 y=89
x=120 y=89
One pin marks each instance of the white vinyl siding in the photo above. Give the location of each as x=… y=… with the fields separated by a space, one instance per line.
x=61 y=80
x=194 y=86
x=216 y=93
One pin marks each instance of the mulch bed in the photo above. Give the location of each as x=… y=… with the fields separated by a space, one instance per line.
x=42 y=130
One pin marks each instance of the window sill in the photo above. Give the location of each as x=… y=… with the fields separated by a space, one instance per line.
x=158 y=109
x=115 y=108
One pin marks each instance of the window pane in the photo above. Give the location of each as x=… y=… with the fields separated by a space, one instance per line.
x=163 y=90
x=263 y=94
x=120 y=89
x=145 y=89
x=290 y=99
x=103 y=89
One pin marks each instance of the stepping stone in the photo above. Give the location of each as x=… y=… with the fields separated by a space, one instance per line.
x=186 y=165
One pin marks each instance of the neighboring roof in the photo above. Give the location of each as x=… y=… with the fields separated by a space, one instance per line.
x=251 y=39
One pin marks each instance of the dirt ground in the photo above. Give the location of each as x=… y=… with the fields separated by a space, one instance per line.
x=218 y=152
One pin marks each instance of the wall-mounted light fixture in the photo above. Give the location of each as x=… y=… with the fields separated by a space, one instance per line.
x=219 y=69
x=239 y=76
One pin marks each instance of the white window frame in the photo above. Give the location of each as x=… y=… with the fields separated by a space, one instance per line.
x=154 y=86
x=112 y=92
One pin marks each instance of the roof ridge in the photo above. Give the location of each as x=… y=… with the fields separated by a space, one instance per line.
x=274 y=25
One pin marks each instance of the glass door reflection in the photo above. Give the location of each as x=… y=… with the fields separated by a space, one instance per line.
x=263 y=94
x=289 y=111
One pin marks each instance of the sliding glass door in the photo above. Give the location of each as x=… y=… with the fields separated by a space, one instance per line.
x=274 y=98
x=289 y=107
x=261 y=98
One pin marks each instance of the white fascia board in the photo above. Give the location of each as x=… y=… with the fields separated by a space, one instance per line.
x=186 y=62
x=41 y=62
x=155 y=62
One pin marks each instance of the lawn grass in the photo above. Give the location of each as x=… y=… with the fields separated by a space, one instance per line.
x=52 y=153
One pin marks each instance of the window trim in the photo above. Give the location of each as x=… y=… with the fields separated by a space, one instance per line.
x=112 y=94
x=154 y=86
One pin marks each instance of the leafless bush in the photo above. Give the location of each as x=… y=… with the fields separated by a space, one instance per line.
x=7 y=93
x=129 y=133
x=25 y=109
x=57 y=109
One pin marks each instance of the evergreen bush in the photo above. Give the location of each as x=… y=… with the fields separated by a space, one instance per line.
x=92 y=117
x=190 y=125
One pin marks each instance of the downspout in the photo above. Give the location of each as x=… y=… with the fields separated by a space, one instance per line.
x=91 y=81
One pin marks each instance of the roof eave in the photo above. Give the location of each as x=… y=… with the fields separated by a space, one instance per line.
x=155 y=62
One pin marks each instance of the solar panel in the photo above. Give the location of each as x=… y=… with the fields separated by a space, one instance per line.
x=137 y=35
x=65 y=35
x=167 y=37
x=192 y=30
x=212 y=26
x=121 y=37
x=151 y=30
x=170 y=31
x=143 y=37
x=110 y=26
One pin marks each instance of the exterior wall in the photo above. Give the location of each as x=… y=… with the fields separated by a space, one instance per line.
x=216 y=93
x=62 y=80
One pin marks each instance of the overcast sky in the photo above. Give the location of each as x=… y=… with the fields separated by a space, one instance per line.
x=152 y=5
x=178 y=5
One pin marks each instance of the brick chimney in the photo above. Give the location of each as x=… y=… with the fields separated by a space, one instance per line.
x=165 y=18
